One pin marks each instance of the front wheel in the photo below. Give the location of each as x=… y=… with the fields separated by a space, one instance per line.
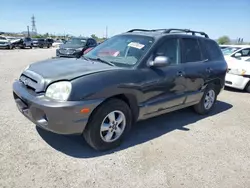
x=248 y=87
x=108 y=125
x=207 y=101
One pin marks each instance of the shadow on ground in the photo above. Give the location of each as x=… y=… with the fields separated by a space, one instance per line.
x=234 y=90
x=143 y=131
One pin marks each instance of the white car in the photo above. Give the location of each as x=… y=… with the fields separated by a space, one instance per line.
x=57 y=43
x=241 y=52
x=238 y=74
x=5 y=43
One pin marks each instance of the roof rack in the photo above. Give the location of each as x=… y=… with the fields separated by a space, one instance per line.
x=172 y=30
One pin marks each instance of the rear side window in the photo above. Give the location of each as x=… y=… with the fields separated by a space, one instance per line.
x=213 y=50
x=191 y=51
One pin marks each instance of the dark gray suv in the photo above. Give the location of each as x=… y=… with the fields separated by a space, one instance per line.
x=130 y=77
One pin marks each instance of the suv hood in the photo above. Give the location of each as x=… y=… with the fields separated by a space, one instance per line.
x=73 y=46
x=67 y=69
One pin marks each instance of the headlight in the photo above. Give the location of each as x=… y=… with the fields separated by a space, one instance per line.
x=237 y=71
x=79 y=49
x=59 y=91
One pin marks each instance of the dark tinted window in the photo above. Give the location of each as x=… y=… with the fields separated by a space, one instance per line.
x=93 y=42
x=191 y=50
x=213 y=50
x=28 y=39
x=169 y=48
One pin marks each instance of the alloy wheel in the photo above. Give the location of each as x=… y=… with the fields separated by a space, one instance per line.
x=113 y=126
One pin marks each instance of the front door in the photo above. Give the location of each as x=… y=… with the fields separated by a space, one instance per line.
x=164 y=87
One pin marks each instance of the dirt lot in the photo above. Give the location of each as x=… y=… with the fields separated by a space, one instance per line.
x=180 y=149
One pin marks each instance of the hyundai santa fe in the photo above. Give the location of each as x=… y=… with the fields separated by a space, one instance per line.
x=129 y=77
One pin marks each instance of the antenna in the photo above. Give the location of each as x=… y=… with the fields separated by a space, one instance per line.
x=33 y=22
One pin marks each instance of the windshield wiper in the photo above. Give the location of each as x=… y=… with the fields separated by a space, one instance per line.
x=103 y=61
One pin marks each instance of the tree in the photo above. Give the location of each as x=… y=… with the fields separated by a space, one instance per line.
x=224 y=40
x=94 y=37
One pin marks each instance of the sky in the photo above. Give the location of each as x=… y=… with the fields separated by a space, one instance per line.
x=82 y=17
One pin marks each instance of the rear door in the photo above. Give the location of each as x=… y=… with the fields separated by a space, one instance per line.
x=194 y=62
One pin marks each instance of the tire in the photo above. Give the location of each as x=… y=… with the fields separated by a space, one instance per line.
x=210 y=93
x=31 y=47
x=98 y=139
x=24 y=46
x=248 y=87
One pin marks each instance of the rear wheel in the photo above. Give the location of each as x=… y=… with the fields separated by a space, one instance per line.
x=248 y=87
x=108 y=125
x=208 y=100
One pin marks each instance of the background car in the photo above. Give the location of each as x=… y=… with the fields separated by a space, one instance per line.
x=5 y=43
x=241 y=52
x=49 y=42
x=238 y=74
x=75 y=47
x=23 y=43
x=41 y=43
x=57 y=43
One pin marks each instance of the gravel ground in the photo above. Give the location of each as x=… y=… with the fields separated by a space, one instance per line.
x=180 y=149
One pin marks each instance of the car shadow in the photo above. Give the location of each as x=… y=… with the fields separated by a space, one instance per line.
x=141 y=132
x=230 y=89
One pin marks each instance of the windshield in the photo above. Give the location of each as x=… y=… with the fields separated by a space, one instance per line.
x=79 y=41
x=229 y=50
x=122 y=50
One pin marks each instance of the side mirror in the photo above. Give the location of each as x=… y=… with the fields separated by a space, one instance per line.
x=160 y=61
x=237 y=55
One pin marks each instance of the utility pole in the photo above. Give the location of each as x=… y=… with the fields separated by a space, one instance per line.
x=33 y=23
x=28 y=29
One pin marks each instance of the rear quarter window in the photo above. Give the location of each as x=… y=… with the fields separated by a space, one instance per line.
x=213 y=50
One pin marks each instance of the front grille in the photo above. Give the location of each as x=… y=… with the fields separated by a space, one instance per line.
x=2 y=42
x=28 y=82
x=66 y=51
x=32 y=81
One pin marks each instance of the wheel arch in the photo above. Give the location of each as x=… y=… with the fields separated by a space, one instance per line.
x=129 y=99
x=218 y=84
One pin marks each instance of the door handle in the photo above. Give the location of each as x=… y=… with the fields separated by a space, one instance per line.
x=180 y=73
x=209 y=70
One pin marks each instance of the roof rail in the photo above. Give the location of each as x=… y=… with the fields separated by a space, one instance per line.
x=170 y=30
x=143 y=30
x=186 y=31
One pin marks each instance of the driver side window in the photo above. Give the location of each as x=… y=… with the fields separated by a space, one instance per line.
x=169 y=48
